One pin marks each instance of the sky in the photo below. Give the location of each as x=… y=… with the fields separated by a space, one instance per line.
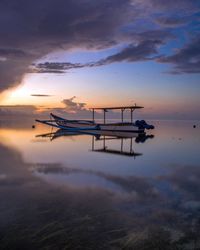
x=69 y=55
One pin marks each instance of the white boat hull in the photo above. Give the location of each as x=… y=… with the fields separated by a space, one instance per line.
x=118 y=127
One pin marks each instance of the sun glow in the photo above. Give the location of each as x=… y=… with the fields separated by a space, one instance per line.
x=23 y=95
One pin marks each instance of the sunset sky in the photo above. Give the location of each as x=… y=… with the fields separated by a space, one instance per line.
x=69 y=55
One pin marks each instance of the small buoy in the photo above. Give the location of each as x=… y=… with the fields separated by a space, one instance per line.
x=33 y=126
x=194 y=126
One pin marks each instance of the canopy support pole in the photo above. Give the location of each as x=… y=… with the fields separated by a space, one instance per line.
x=93 y=115
x=104 y=116
x=122 y=115
x=132 y=115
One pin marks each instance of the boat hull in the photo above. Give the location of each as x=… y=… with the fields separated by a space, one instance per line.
x=109 y=127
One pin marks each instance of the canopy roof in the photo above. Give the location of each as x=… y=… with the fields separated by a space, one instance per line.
x=123 y=107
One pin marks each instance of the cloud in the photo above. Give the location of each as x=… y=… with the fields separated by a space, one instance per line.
x=2 y=59
x=142 y=51
x=172 y=21
x=133 y=219
x=185 y=6
x=185 y=180
x=18 y=110
x=181 y=182
x=30 y=31
x=73 y=106
x=137 y=187
x=12 y=71
x=41 y=95
x=186 y=59
x=55 y=25
x=132 y=53
x=12 y=52
x=55 y=67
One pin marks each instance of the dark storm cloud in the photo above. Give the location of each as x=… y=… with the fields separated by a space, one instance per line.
x=171 y=5
x=161 y=35
x=48 y=71
x=172 y=21
x=186 y=59
x=56 y=67
x=10 y=182
x=30 y=30
x=54 y=25
x=11 y=72
x=12 y=52
x=132 y=53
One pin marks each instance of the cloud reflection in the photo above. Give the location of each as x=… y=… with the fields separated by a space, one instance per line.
x=148 y=213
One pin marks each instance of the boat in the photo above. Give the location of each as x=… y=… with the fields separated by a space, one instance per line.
x=138 y=126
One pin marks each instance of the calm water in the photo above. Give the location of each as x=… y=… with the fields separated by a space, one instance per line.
x=81 y=192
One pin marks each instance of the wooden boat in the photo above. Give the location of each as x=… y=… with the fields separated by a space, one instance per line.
x=90 y=126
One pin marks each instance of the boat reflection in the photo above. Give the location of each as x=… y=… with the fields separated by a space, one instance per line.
x=119 y=138
x=121 y=151
x=58 y=133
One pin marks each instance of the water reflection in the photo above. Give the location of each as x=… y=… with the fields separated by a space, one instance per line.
x=118 y=137
x=61 y=195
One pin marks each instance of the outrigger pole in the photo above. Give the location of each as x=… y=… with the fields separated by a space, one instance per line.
x=132 y=108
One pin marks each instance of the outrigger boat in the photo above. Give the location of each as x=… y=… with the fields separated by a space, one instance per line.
x=88 y=126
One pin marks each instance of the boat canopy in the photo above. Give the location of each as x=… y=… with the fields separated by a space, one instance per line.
x=123 y=108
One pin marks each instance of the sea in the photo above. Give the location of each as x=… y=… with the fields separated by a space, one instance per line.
x=70 y=190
